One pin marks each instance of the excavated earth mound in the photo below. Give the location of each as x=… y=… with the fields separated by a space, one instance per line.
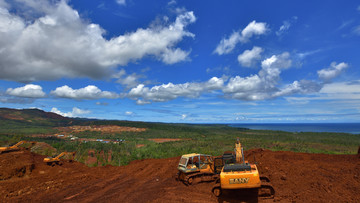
x=296 y=177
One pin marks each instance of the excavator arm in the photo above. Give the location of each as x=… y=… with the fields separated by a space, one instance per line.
x=16 y=147
x=50 y=160
x=238 y=151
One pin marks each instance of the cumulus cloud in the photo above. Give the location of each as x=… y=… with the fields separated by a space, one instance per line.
x=226 y=45
x=172 y=91
x=28 y=91
x=60 y=43
x=249 y=57
x=171 y=56
x=88 y=92
x=129 y=81
x=76 y=112
x=262 y=85
x=327 y=74
x=302 y=87
x=252 y=29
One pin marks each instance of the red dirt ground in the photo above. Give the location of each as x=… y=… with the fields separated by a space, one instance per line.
x=296 y=177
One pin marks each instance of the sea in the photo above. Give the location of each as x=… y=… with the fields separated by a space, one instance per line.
x=352 y=128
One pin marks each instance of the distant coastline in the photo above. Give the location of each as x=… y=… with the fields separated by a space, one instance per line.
x=352 y=128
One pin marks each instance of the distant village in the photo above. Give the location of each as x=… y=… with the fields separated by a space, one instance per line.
x=85 y=140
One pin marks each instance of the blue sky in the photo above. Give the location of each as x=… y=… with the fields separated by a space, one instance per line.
x=183 y=61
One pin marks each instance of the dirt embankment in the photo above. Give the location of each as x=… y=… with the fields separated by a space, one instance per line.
x=297 y=177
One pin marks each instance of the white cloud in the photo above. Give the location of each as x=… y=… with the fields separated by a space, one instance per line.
x=253 y=28
x=333 y=71
x=249 y=57
x=262 y=85
x=172 y=56
x=129 y=81
x=286 y=26
x=172 y=91
x=60 y=43
x=342 y=88
x=302 y=87
x=184 y=116
x=88 y=92
x=281 y=61
x=76 y=112
x=129 y=113
x=227 y=45
x=121 y=2
x=29 y=91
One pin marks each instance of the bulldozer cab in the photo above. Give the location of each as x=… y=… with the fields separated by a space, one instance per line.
x=194 y=162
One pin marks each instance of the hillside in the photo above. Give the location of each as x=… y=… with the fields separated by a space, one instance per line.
x=31 y=117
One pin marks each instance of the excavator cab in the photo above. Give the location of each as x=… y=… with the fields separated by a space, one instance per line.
x=194 y=162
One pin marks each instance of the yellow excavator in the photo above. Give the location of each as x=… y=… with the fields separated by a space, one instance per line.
x=16 y=147
x=52 y=161
x=240 y=174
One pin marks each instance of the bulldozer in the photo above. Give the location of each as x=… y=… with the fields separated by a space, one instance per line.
x=52 y=161
x=198 y=168
x=16 y=147
x=240 y=174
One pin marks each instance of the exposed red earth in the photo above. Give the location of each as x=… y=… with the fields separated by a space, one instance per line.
x=296 y=177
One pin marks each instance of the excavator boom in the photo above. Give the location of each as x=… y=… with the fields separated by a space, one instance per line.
x=56 y=160
x=15 y=147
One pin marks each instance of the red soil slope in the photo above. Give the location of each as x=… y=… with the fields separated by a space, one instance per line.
x=296 y=177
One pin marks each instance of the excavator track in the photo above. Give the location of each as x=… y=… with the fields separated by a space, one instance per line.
x=216 y=190
x=266 y=190
x=199 y=177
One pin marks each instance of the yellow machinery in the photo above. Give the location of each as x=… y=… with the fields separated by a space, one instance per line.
x=15 y=147
x=198 y=167
x=56 y=160
x=241 y=175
